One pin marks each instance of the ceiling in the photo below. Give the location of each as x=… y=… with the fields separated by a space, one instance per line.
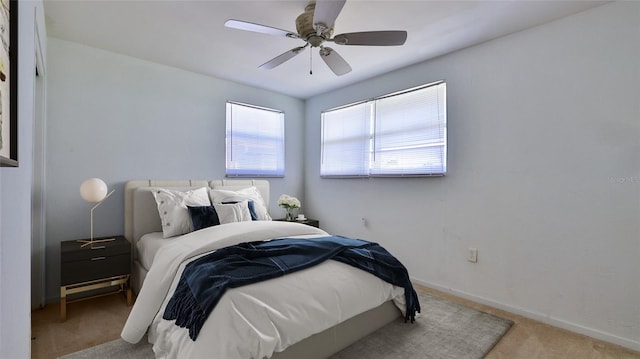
x=191 y=35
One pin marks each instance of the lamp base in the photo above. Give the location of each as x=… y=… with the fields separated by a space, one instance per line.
x=95 y=241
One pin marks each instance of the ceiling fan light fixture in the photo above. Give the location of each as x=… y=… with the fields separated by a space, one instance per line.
x=315 y=27
x=304 y=22
x=314 y=35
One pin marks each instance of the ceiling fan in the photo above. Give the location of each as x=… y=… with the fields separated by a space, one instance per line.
x=315 y=27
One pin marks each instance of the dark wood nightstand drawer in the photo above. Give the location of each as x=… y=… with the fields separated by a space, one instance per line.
x=71 y=251
x=94 y=261
x=95 y=268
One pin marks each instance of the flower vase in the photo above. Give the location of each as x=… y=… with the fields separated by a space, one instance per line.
x=289 y=214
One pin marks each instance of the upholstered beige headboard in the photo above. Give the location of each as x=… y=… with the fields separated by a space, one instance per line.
x=140 y=209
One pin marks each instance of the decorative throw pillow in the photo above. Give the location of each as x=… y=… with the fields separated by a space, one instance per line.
x=249 y=193
x=252 y=209
x=172 y=207
x=203 y=217
x=229 y=213
x=208 y=216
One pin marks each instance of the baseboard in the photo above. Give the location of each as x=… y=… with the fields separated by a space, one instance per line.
x=556 y=322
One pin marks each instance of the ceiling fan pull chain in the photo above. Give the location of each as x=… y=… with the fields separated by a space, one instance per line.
x=310 y=63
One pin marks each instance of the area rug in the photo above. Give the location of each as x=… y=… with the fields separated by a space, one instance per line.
x=444 y=330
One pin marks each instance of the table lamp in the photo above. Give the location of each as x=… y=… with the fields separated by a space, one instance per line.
x=94 y=190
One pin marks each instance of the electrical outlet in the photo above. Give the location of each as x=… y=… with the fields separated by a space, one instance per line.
x=364 y=221
x=472 y=255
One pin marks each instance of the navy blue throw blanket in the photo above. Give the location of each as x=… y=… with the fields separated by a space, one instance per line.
x=205 y=280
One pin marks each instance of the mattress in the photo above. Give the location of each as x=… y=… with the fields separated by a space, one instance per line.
x=147 y=247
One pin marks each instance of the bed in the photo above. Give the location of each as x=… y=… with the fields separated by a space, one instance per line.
x=334 y=304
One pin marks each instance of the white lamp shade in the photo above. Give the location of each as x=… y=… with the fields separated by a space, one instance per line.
x=93 y=190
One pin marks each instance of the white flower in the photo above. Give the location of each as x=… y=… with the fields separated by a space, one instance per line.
x=287 y=201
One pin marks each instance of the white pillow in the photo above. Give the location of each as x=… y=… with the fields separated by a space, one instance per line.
x=172 y=207
x=249 y=193
x=229 y=213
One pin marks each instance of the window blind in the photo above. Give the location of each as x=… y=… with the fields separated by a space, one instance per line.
x=345 y=141
x=254 y=141
x=409 y=133
x=401 y=134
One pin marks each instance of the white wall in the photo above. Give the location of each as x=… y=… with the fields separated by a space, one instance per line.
x=544 y=174
x=120 y=118
x=15 y=200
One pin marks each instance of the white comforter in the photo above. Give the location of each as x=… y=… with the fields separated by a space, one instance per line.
x=257 y=320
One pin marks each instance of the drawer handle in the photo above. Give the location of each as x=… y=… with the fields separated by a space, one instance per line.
x=98 y=258
x=99 y=247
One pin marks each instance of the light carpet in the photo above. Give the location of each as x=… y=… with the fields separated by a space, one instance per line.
x=444 y=330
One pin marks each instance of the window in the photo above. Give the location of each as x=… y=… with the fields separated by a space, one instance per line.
x=400 y=134
x=255 y=141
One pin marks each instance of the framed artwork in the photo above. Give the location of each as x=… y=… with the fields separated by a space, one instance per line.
x=9 y=83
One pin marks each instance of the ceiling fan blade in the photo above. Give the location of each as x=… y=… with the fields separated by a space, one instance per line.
x=335 y=62
x=282 y=58
x=327 y=11
x=372 y=38
x=263 y=29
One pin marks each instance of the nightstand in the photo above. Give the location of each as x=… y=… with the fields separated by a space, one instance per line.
x=308 y=221
x=94 y=266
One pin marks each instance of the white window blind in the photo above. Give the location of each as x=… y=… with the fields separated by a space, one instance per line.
x=345 y=141
x=401 y=134
x=410 y=133
x=254 y=141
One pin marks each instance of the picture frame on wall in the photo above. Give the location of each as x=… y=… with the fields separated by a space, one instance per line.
x=9 y=83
